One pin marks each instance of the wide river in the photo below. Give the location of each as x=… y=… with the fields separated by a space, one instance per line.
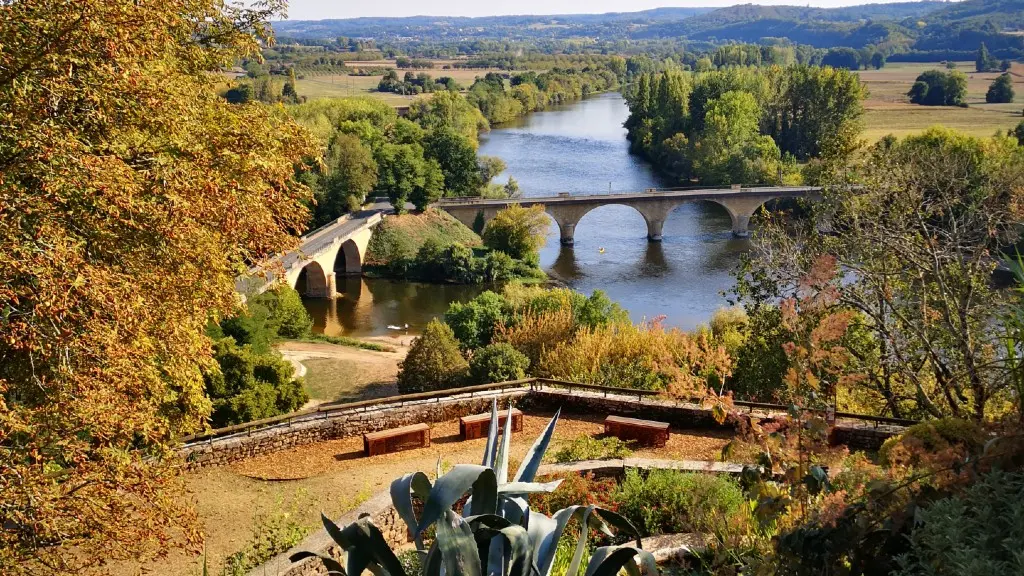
x=581 y=147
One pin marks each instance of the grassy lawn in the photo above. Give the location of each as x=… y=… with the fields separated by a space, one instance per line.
x=338 y=379
x=888 y=110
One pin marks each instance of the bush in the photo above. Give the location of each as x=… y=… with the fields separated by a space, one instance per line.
x=250 y=386
x=288 y=315
x=498 y=363
x=586 y=447
x=474 y=322
x=931 y=437
x=575 y=490
x=670 y=501
x=433 y=363
x=977 y=533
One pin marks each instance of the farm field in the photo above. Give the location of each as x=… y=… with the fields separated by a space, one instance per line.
x=344 y=85
x=889 y=112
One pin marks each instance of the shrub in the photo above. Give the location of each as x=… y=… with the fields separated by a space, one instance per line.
x=288 y=315
x=928 y=438
x=272 y=534
x=645 y=357
x=473 y=322
x=585 y=447
x=433 y=363
x=728 y=326
x=670 y=501
x=973 y=534
x=576 y=489
x=249 y=386
x=498 y=363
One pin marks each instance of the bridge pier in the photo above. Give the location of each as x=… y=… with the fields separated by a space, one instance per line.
x=566 y=233
x=654 y=229
x=740 y=225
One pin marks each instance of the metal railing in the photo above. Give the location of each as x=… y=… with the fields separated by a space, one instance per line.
x=325 y=411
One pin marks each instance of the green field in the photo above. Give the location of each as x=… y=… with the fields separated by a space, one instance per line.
x=888 y=110
x=344 y=85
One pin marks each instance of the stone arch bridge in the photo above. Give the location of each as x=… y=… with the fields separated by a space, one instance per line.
x=654 y=205
x=337 y=249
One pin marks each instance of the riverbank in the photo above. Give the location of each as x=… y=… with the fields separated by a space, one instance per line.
x=336 y=373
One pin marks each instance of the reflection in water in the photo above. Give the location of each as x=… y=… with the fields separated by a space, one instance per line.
x=367 y=306
x=578 y=148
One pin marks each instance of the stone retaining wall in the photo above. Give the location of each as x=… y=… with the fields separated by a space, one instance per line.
x=356 y=422
x=682 y=415
x=341 y=424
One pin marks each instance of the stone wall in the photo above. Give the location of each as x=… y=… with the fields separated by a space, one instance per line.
x=856 y=434
x=356 y=422
x=341 y=424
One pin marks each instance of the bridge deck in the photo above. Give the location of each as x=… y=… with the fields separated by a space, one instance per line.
x=650 y=194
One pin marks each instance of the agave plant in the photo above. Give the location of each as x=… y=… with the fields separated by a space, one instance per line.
x=499 y=535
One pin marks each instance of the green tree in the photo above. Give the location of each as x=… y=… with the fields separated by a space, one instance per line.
x=730 y=149
x=401 y=173
x=943 y=88
x=877 y=60
x=517 y=231
x=288 y=315
x=457 y=159
x=351 y=174
x=498 y=363
x=984 y=61
x=449 y=110
x=1018 y=132
x=433 y=363
x=1001 y=90
x=432 y=187
x=842 y=58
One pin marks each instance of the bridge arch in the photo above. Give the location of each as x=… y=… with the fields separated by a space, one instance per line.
x=741 y=210
x=568 y=216
x=312 y=281
x=349 y=259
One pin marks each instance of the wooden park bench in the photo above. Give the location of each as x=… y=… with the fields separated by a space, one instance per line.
x=477 y=425
x=396 y=439
x=646 y=432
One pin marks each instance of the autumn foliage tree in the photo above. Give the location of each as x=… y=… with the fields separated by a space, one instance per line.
x=131 y=195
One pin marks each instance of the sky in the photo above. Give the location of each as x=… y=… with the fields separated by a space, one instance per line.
x=322 y=9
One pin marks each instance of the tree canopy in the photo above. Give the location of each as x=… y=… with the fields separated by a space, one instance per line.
x=132 y=195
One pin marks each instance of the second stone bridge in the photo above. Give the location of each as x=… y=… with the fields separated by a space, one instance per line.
x=654 y=205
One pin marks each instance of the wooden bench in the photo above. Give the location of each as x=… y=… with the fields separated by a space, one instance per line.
x=477 y=425
x=646 y=432
x=396 y=439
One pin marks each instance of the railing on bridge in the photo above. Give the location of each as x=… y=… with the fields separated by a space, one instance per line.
x=628 y=193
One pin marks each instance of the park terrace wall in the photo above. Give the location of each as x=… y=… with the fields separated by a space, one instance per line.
x=330 y=422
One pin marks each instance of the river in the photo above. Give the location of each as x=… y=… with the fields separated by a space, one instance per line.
x=580 y=147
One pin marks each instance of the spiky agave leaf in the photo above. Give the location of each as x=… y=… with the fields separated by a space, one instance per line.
x=501 y=465
x=531 y=463
x=492 y=437
x=402 y=490
x=608 y=560
x=453 y=485
x=365 y=548
x=457 y=546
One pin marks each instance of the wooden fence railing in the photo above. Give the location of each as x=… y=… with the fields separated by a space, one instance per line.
x=325 y=410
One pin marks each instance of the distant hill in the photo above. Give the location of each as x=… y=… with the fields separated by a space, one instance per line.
x=953 y=27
